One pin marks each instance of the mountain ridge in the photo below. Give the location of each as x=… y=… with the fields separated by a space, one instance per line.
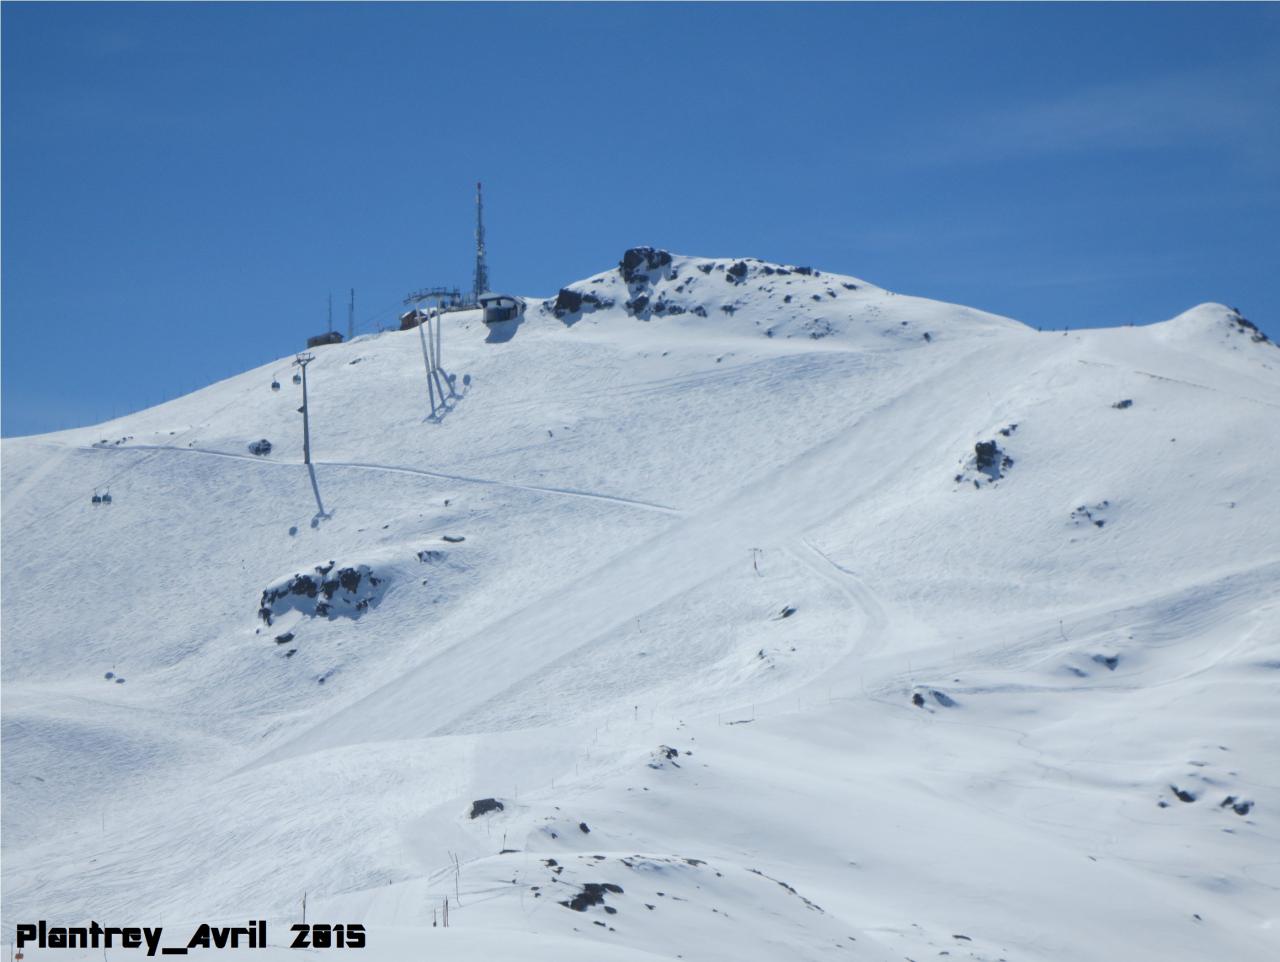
x=916 y=615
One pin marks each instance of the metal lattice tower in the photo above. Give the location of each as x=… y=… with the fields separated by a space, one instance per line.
x=482 y=272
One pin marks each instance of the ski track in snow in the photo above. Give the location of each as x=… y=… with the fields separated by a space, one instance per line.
x=629 y=681
x=691 y=551
x=420 y=472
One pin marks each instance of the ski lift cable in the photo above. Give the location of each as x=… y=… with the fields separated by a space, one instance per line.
x=393 y=310
x=153 y=453
x=390 y=310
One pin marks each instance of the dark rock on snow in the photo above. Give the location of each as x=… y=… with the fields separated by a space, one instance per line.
x=638 y=261
x=483 y=806
x=1246 y=326
x=592 y=894
x=567 y=302
x=1239 y=806
x=991 y=460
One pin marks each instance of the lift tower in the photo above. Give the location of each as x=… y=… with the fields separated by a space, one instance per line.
x=302 y=360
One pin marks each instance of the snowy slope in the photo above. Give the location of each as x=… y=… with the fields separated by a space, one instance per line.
x=958 y=652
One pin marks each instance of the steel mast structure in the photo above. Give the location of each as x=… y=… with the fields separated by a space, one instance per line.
x=482 y=272
x=302 y=360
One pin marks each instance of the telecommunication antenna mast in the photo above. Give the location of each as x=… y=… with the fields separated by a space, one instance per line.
x=351 y=316
x=482 y=272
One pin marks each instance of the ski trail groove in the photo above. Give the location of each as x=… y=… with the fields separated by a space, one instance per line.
x=481 y=666
x=419 y=472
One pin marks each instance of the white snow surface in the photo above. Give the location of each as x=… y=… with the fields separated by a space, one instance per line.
x=758 y=537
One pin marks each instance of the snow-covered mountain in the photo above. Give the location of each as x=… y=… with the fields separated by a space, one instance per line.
x=782 y=616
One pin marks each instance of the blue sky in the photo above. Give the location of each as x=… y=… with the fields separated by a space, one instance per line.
x=184 y=184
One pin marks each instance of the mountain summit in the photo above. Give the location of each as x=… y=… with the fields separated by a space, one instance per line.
x=777 y=300
x=729 y=610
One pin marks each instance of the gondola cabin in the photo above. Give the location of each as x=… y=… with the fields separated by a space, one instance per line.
x=500 y=307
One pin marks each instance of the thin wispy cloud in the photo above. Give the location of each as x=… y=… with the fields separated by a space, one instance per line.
x=111 y=42
x=1235 y=107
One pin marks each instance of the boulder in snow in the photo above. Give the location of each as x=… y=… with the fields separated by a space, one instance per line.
x=638 y=262
x=482 y=806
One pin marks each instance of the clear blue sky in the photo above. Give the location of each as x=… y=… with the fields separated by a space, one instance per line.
x=184 y=184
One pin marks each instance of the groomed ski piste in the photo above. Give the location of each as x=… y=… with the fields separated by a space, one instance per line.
x=784 y=617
